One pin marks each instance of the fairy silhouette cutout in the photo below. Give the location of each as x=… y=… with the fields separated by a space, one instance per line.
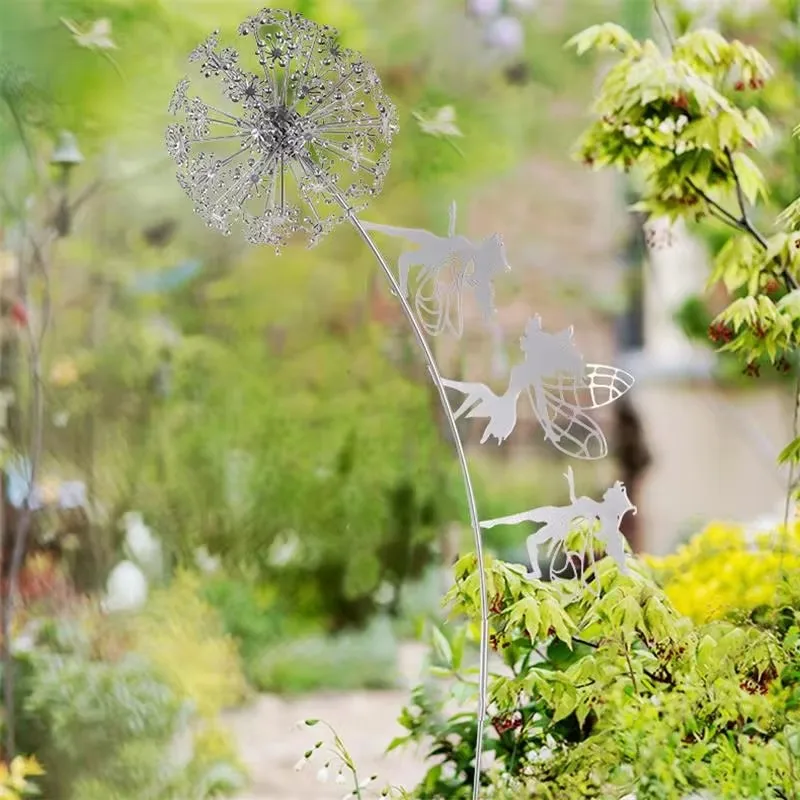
x=602 y=525
x=560 y=387
x=447 y=265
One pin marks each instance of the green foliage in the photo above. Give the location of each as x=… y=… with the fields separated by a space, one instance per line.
x=180 y=634
x=687 y=123
x=105 y=723
x=601 y=695
x=348 y=661
x=726 y=569
x=17 y=779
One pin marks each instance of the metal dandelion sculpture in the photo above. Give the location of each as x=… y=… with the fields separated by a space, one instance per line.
x=289 y=148
x=301 y=142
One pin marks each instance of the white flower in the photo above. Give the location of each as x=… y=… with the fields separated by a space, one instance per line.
x=143 y=547
x=385 y=594
x=60 y=419
x=667 y=125
x=323 y=774
x=681 y=122
x=126 y=588
x=630 y=131
x=340 y=779
x=300 y=764
x=205 y=561
x=506 y=34
x=284 y=549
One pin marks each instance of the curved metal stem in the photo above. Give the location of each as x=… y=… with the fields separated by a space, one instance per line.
x=483 y=679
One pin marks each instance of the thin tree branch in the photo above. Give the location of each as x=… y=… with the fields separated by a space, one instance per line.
x=745 y=219
x=724 y=214
x=630 y=667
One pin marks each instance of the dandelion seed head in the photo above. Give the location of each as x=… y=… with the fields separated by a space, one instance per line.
x=286 y=145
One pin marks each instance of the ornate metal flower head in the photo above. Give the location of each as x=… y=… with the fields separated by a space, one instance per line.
x=288 y=148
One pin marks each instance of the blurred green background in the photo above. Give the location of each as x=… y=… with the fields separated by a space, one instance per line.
x=254 y=433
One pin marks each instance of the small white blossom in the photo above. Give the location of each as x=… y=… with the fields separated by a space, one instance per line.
x=630 y=131
x=205 y=562
x=126 y=589
x=340 y=779
x=284 y=549
x=324 y=773
x=681 y=122
x=667 y=125
x=300 y=764
x=60 y=419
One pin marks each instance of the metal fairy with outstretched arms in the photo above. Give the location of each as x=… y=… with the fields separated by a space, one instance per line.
x=595 y=521
x=560 y=387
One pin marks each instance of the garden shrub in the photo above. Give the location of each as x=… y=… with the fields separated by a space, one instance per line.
x=183 y=637
x=728 y=567
x=105 y=721
x=346 y=661
x=605 y=689
x=15 y=778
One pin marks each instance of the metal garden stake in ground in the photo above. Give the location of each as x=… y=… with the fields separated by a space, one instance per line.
x=292 y=138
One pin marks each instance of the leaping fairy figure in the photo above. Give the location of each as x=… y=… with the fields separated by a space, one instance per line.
x=560 y=387
x=602 y=519
x=447 y=265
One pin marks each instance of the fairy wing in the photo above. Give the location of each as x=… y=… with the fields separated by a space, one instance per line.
x=438 y=298
x=569 y=428
x=599 y=386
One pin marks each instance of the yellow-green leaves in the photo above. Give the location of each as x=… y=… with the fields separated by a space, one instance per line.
x=790 y=453
x=713 y=56
x=604 y=38
x=541 y=616
x=751 y=179
x=671 y=116
x=739 y=259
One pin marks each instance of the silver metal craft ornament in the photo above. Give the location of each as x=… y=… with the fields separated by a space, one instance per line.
x=447 y=266
x=560 y=387
x=288 y=144
x=289 y=150
x=572 y=534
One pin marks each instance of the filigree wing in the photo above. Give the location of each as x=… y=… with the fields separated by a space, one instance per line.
x=599 y=386
x=605 y=384
x=438 y=299
x=569 y=428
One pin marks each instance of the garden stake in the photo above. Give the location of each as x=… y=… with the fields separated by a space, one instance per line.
x=310 y=146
